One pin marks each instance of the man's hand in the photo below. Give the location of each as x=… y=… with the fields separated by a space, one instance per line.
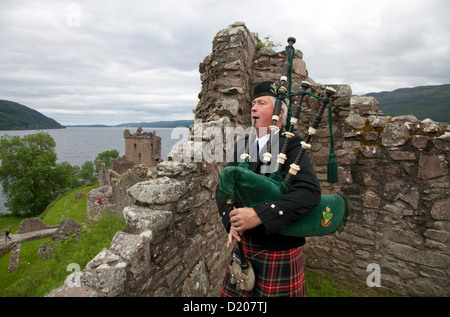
x=233 y=235
x=244 y=218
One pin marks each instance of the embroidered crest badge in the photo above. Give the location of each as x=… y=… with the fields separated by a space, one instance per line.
x=273 y=88
x=327 y=215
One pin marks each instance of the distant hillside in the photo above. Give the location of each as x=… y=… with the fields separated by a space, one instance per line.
x=156 y=124
x=423 y=102
x=14 y=116
x=159 y=124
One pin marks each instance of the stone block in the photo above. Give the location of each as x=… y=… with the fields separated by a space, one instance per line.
x=441 y=209
x=418 y=256
x=106 y=280
x=158 y=191
x=14 y=257
x=140 y=219
x=377 y=121
x=405 y=237
x=432 y=166
x=365 y=104
x=442 y=142
x=170 y=168
x=419 y=141
x=371 y=199
x=134 y=249
x=355 y=120
x=106 y=273
x=197 y=283
x=372 y=152
x=394 y=134
x=402 y=155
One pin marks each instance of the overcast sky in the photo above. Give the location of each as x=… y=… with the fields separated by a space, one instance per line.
x=111 y=62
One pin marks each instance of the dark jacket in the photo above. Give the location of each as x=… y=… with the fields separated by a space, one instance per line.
x=299 y=200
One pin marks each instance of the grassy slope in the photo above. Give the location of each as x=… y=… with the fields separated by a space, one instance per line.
x=67 y=206
x=36 y=277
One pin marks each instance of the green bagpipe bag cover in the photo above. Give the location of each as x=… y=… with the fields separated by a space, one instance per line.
x=254 y=189
x=328 y=217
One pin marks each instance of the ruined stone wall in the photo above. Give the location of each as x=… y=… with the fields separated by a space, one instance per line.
x=173 y=244
x=393 y=170
x=395 y=174
x=112 y=191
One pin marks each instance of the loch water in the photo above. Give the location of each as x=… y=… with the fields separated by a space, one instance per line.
x=76 y=145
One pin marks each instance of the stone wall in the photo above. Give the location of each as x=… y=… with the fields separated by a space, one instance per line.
x=173 y=244
x=112 y=191
x=393 y=170
x=395 y=174
x=33 y=224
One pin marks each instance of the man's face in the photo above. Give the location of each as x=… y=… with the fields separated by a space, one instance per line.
x=262 y=110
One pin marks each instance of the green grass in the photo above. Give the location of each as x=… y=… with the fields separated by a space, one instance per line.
x=36 y=277
x=67 y=206
x=318 y=285
x=10 y=220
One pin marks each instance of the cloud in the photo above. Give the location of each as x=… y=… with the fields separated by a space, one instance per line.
x=110 y=62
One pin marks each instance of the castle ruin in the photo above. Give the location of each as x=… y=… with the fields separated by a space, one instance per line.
x=142 y=151
x=142 y=147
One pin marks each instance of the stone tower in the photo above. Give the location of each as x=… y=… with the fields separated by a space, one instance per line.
x=142 y=147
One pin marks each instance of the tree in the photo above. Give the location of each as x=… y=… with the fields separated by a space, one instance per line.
x=87 y=173
x=29 y=174
x=105 y=157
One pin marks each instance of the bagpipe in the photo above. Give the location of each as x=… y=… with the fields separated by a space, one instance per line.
x=254 y=189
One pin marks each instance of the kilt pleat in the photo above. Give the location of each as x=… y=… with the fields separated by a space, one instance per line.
x=278 y=273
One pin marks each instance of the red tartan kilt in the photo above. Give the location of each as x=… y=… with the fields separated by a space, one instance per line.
x=278 y=273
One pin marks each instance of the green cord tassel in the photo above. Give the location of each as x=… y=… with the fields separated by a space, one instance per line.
x=332 y=168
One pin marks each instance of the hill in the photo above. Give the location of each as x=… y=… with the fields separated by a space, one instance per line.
x=159 y=124
x=156 y=124
x=423 y=102
x=14 y=116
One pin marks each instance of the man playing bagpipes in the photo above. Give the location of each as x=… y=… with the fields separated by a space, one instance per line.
x=276 y=259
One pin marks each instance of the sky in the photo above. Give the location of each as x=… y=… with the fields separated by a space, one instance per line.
x=111 y=62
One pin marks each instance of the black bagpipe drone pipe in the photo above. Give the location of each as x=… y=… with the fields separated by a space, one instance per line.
x=254 y=189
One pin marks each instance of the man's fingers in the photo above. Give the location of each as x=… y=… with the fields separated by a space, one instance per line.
x=230 y=240
x=233 y=235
